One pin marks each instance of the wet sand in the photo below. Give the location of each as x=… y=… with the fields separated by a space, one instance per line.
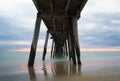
x=62 y=71
x=65 y=71
x=96 y=69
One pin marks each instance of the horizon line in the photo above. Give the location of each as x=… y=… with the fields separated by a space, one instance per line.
x=81 y=49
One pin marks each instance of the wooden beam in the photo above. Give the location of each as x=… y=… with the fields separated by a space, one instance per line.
x=58 y=17
x=80 y=7
x=72 y=49
x=57 y=31
x=69 y=48
x=67 y=6
x=66 y=12
x=38 y=6
x=45 y=45
x=71 y=36
x=75 y=50
x=52 y=48
x=66 y=48
x=51 y=6
x=35 y=40
x=47 y=17
x=52 y=13
x=75 y=33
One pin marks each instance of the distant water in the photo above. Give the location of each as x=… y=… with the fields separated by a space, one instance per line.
x=14 y=58
x=13 y=65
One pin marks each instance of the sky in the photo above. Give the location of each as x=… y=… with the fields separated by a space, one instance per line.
x=98 y=27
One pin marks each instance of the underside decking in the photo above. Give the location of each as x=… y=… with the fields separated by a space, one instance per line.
x=55 y=12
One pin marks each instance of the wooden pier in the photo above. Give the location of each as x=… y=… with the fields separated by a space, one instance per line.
x=60 y=18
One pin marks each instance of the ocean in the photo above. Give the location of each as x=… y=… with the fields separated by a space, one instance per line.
x=13 y=66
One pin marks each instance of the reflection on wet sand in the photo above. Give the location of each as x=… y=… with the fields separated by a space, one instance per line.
x=56 y=69
x=65 y=69
x=32 y=73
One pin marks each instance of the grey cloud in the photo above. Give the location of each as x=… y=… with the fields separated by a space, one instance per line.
x=100 y=29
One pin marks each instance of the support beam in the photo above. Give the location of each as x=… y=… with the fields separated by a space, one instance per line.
x=38 y=6
x=55 y=16
x=45 y=45
x=69 y=46
x=51 y=8
x=72 y=48
x=66 y=48
x=75 y=33
x=66 y=12
x=71 y=36
x=67 y=7
x=35 y=40
x=80 y=8
x=52 y=48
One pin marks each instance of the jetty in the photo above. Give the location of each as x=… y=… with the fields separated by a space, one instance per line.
x=60 y=18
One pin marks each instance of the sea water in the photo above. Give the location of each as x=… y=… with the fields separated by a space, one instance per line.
x=8 y=58
x=13 y=65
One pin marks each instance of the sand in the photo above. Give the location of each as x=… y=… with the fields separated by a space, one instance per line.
x=13 y=67
x=65 y=71
x=61 y=71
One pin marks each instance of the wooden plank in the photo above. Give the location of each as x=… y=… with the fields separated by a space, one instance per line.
x=35 y=40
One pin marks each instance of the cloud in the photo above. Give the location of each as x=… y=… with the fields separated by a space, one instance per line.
x=101 y=6
x=18 y=12
x=99 y=25
x=19 y=44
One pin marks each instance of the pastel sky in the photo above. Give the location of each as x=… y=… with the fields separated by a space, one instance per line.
x=99 y=25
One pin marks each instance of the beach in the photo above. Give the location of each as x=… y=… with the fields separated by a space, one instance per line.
x=96 y=66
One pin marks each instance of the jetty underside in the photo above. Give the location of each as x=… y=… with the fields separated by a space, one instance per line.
x=60 y=18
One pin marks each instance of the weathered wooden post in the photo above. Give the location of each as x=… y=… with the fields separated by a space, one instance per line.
x=69 y=47
x=52 y=48
x=72 y=40
x=35 y=40
x=66 y=48
x=45 y=45
x=76 y=40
